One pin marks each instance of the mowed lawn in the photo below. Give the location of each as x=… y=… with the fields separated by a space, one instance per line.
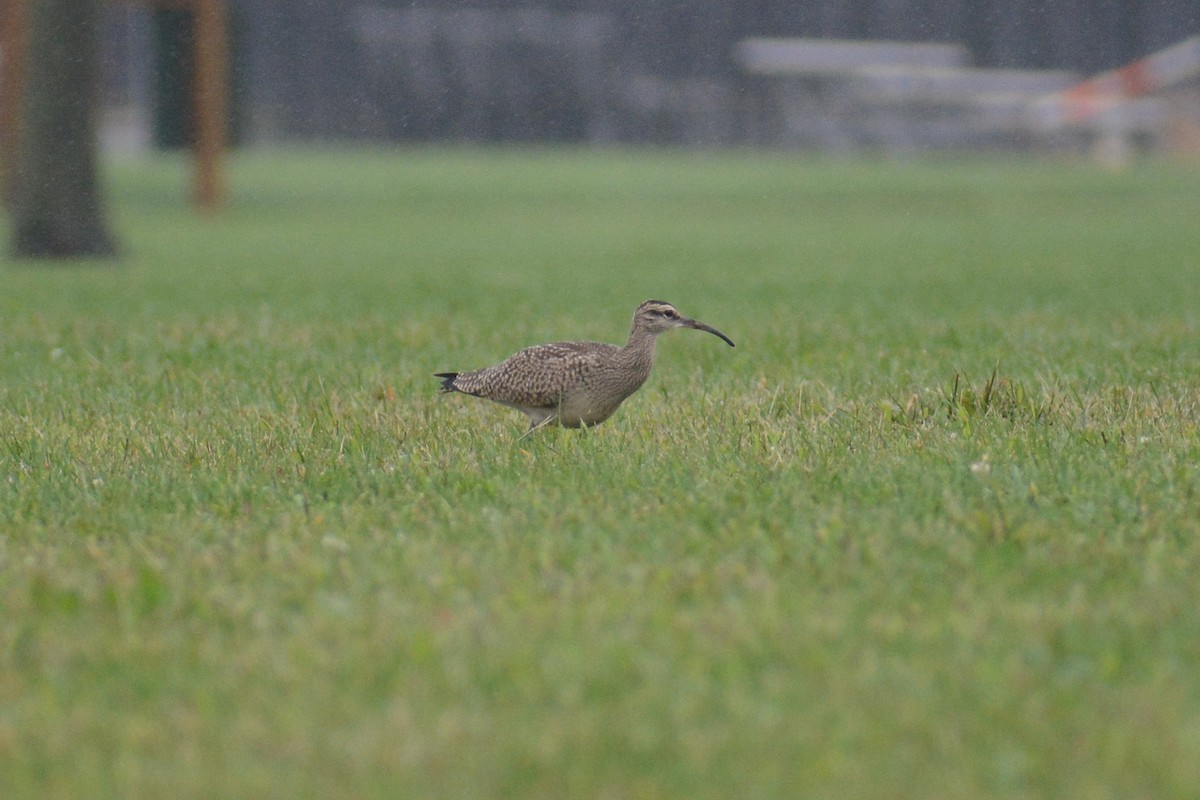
x=931 y=530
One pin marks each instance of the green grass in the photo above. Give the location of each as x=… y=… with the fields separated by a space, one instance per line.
x=932 y=530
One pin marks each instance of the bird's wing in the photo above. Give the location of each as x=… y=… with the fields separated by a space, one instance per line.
x=536 y=377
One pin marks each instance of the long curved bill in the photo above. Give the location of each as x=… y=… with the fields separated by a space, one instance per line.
x=700 y=326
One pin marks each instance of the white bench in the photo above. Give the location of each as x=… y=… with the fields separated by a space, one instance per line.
x=838 y=95
x=832 y=57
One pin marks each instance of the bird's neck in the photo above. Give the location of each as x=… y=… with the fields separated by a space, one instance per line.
x=639 y=349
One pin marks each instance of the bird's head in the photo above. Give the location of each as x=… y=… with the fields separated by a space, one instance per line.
x=656 y=316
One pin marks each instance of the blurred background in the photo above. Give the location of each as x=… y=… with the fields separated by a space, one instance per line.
x=836 y=76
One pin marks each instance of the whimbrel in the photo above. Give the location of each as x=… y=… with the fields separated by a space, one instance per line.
x=575 y=383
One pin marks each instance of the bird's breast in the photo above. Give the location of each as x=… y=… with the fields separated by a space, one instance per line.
x=598 y=394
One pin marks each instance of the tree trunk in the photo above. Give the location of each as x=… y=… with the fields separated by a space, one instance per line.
x=58 y=211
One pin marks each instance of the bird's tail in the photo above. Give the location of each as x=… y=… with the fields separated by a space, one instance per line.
x=447 y=380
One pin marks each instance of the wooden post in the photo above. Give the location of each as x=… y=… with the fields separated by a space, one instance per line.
x=209 y=81
x=12 y=81
x=210 y=89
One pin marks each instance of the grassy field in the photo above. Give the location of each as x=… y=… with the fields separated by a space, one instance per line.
x=932 y=530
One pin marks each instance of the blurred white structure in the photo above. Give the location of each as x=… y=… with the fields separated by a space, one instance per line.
x=890 y=96
x=1122 y=105
x=902 y=97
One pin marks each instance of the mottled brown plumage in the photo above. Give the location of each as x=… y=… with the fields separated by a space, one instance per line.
x=575 y=383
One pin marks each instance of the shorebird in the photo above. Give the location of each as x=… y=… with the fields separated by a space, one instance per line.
x=575 y=384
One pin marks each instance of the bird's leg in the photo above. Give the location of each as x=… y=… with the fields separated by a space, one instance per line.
x=535 y=426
